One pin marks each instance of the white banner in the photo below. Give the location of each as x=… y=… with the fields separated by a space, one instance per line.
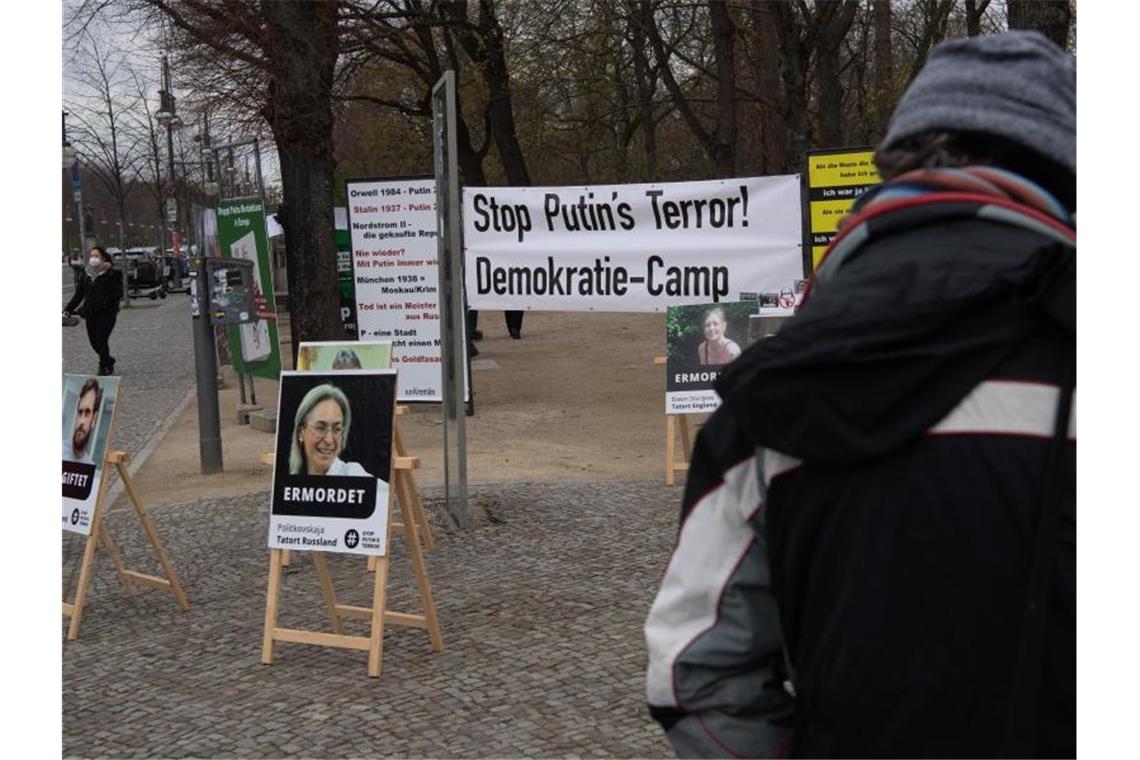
x=392 y=225
x=632 y=247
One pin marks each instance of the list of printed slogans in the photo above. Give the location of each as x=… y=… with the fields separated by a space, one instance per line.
x=835 y=180
x=392 y=224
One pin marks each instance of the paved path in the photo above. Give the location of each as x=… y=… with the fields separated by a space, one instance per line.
x=153 y=348
x=541 y=613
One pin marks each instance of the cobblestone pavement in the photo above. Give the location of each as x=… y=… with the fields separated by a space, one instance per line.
x=153 y=348
x=541 y=608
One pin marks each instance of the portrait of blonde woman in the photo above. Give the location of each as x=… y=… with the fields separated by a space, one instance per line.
x=716 y=348
x=320 y=434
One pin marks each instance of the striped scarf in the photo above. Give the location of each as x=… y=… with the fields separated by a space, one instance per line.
x=980 y=180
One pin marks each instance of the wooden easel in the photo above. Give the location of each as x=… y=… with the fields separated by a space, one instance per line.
x=377 y=615
x=407 y=472
x=101 y=535
x=673 y=462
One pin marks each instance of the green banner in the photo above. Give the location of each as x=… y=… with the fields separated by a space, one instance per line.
x=241 y=235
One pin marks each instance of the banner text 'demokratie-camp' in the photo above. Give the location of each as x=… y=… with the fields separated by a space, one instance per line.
x=631 y=247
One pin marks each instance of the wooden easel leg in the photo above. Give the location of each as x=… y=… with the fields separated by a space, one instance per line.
x=286 y=558
x=116 y=558
x=419 y=512
x=686 y=449
x=152 y=534
x=81 y=592
x=417 y=504
x=413 y=541
x=274 y=586
x=376 y=637
x=372 y=563
x=327 y=590
x=88 y=557
x=670 y=447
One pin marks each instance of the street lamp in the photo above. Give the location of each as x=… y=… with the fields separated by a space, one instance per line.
x=210 y=187
x=167 y=116
x=71 y=161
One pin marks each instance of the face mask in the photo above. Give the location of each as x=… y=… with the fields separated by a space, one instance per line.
x=95 y=262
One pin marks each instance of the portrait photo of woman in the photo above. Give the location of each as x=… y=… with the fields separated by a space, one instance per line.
x=320 y=433
x=716 y=348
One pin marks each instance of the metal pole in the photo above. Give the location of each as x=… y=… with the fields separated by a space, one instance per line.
x=206 y=373
x=261 y=195
x=175 y=238
x=76 y=183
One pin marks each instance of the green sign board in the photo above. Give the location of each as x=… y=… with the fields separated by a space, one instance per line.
x=344 y=277
x=241 y=235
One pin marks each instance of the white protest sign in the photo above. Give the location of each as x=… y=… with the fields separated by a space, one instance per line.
x=640 y=247
x=392 y=225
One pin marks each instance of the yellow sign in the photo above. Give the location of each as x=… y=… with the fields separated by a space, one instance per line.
x=834 y=178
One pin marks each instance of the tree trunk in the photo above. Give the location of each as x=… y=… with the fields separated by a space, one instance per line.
x=724 y=33
x=772 y=139
x=933 y=32
x=302 y=50
x=794 y=58
x=501 y=111
x=711 y=140
x=640 y=15
x=1050 y=17
x=884 y=66
x=832 y=20
x=974 y=11
x=484 y=46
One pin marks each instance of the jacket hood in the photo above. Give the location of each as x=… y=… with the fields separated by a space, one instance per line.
x=890 y=343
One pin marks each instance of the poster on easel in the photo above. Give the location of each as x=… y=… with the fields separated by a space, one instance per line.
x=242 y=235
x=835 y=178
x=88 y=412
x=333 y=355
x=701 y=339
x=333 y=462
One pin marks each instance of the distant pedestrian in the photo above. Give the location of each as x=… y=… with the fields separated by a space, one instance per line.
x=514 y=323
x=96 y=299
x=877 y=555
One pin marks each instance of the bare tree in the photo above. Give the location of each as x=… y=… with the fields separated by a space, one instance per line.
x=147 y=128
x=935 y=18
x=274 y=62
x=719 y=140
x=102 y=133
x=975 y=9
x=483 y=42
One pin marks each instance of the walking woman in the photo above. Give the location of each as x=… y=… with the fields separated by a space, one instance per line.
x=99 y=290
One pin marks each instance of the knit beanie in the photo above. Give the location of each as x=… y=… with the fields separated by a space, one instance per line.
x=1017 y=85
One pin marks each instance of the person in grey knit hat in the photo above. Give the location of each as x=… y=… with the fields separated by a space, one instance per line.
x=877 y=553
x=1005 y=100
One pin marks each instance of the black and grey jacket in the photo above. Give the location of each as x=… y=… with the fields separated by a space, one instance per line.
x=99 y=294
x=861 y=512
